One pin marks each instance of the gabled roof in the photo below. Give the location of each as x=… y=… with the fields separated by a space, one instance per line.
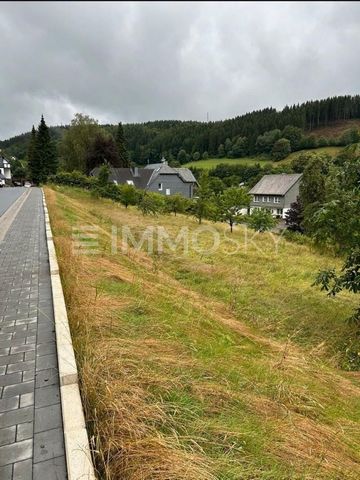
x=275 y=184
x=185 y=174
x=143 y=177
x=140 y=176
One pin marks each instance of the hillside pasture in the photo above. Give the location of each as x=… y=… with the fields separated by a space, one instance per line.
x=206 y=366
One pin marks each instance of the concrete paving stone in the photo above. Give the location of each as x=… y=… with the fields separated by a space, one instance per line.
x=7 y=323
x=47 y=418
x=45 y=349
x=16 y=452
x=30 y=340
x=29 y=355
x=47 y=396
x=26 y=321
x=5 y=336
x=48 y=444
x=46 y=361
x=10 y=403
x=14 y=417
x=47 y=377
x=19 y=389
x=28 y=376
x=4 y=351
x=23 y=470
x=6 y=472
x=48 y=326
x=8 y=359
x=22 y=348
x=24 y=431
x=21 y=366
x=7 y=435
x=10 y=379
x=27 y=399
x=8 y=329
x=54 y=469
x=45 y=337
x=24 y=333
x=2 y=369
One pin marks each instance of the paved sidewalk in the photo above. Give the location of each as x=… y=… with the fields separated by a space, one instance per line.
x=31 y=433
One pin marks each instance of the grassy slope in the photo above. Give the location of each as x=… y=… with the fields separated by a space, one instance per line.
x=207 y=366
x=212 y=162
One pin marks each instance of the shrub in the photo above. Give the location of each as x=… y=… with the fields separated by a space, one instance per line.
x=73 y=179
x=176 y=204
x=281 y=149
x=151 y=203
x=261 y=220
x=129 y=195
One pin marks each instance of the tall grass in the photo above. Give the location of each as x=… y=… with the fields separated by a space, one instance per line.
x=206 y=366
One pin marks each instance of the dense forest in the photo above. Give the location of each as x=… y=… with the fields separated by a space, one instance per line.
x=248 y=134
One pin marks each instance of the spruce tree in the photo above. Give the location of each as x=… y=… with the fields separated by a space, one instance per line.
x=120 y=143
x=45 y=152
x=34 y=168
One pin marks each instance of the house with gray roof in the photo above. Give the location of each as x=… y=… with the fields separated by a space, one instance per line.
x=5 y=171
x=156 y=177
x=275 y=193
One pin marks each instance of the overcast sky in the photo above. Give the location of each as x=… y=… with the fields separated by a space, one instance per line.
x=138 y=61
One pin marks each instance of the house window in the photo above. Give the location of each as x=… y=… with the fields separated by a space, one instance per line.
x=168 y=191
x=276 y=199
x=256 y=198
x=269 y=199
x=279 y=211
x=264 y=199
x=160 y=186
x=129 y=182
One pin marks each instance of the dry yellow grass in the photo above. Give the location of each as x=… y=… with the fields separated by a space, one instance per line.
x=185 y=377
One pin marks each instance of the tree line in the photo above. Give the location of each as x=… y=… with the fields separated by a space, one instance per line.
x=327 y=211
x=84 y=146
x=259 y=132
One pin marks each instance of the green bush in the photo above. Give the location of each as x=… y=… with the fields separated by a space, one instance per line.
x=73 y=179
x=151 y=203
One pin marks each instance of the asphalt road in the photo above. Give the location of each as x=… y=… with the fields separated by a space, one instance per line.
x=8 y=195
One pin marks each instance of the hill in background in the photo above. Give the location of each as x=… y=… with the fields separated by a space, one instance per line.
x=322 y=122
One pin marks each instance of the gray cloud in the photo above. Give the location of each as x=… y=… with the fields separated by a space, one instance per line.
x=144 y=61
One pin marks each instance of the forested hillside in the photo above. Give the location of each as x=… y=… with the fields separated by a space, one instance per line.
x=247 y=134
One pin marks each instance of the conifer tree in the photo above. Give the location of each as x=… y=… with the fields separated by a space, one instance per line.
x=32 y=164
x=46 y=151
x=120 y=143
x=43 y=154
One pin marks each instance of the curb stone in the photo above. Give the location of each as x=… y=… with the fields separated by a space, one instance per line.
x=77 y=450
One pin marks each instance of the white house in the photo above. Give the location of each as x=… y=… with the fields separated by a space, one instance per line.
x=5 y=171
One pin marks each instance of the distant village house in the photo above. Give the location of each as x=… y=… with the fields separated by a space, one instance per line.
x=156 y=177
x=275 y=193
x=5 y=171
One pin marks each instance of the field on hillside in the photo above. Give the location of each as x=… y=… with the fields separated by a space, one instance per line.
x=211 y=363
x=336 y=129
x=213 y=162
x=332 y=151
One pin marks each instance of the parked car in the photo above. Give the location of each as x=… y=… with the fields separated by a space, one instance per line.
x=27 y=184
